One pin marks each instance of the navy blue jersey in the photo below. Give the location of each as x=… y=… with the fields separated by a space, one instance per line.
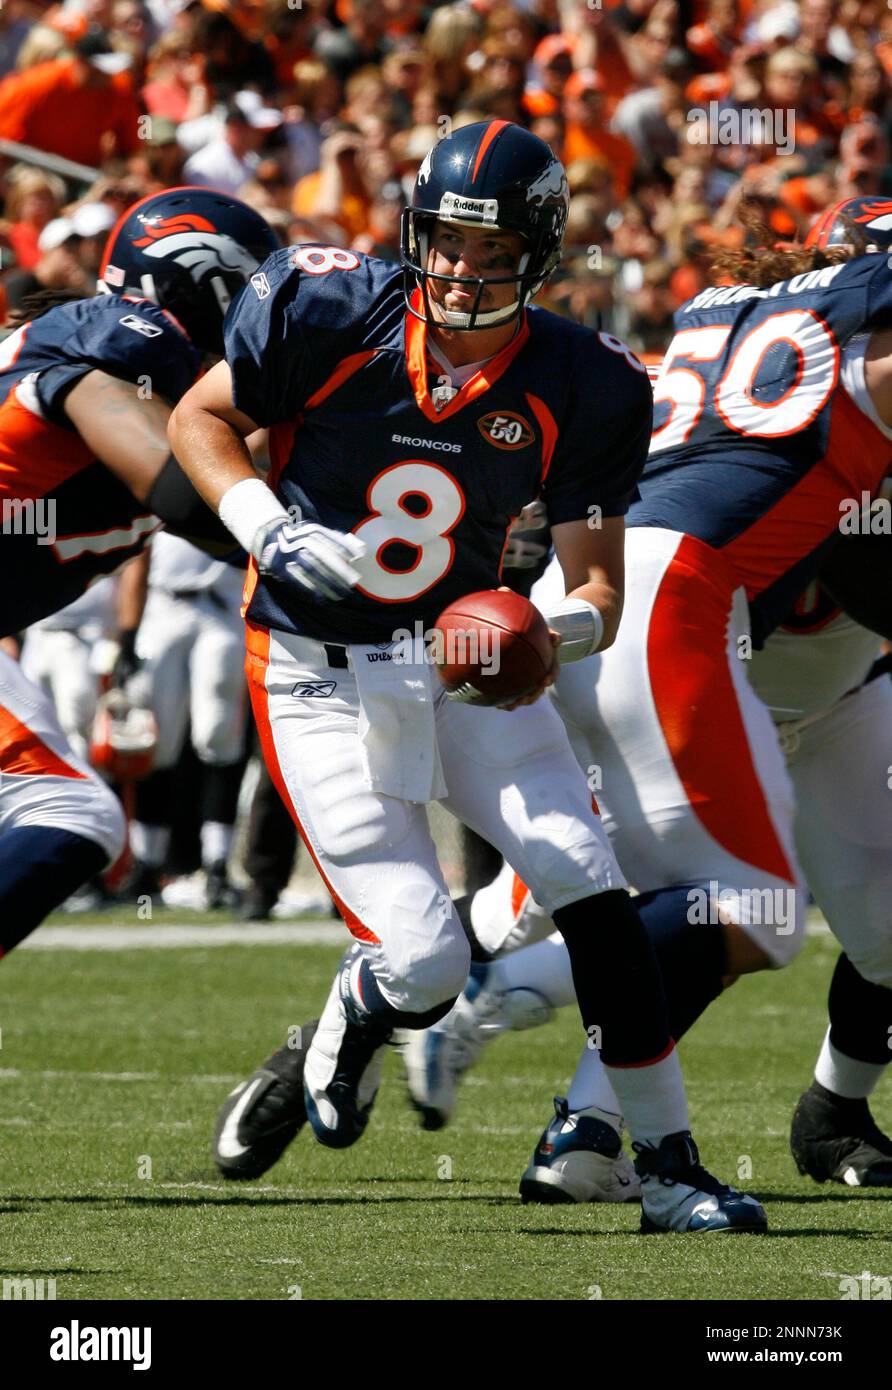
x=755 y=443
x=66 y=519
x=323 y=351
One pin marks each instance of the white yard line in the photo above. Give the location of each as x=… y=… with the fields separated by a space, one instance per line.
x=180 y=935
x=176 y=936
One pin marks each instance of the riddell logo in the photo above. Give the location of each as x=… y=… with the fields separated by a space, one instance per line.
x=469 y=209
x=506 y=431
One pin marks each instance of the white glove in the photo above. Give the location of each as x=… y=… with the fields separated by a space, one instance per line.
x=309 y=557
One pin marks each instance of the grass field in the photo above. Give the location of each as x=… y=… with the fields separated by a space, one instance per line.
x=114 y=1063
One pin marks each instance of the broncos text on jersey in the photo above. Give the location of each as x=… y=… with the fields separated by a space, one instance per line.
x=756 y=444
x=66 y=519
x=323 y=351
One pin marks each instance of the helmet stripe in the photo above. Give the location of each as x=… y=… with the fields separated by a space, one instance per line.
x=489 y=135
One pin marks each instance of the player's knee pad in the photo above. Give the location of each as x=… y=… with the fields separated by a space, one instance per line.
x=874 y=964
x=426 y=953
x=357 y=829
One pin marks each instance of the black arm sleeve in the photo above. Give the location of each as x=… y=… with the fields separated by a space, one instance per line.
x=185 y=513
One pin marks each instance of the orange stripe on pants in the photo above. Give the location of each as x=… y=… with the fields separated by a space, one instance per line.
x=256 y=667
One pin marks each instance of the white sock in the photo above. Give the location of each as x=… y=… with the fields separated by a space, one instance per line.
x=544 y=967
x=845 y=1076
x=652 y=1098
x=216 y=842
x=591 y=1085
x=149 y=843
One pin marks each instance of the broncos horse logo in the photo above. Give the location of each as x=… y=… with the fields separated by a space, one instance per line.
x=194 y=243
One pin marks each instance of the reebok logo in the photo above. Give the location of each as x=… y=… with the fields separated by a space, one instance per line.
x=261 y=286
x=148 y=330
x=313 y=690
x=76 y=1343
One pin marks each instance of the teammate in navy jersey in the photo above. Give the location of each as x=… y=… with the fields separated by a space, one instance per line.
x=773 y=412
x=412 y=415
x=86 y=476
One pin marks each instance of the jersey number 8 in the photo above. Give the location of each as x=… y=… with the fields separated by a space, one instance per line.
x=439 y=506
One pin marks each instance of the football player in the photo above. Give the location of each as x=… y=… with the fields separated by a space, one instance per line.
x=190 y=645
x=86 y=476
x=644 y=796
x=413 y=413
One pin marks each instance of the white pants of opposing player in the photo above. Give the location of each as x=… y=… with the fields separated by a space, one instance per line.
x=58 y=661
x=511 y=776
x=42 y=782
x=193 y=672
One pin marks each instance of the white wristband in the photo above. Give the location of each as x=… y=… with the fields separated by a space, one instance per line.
x=249 y=507
x=580 y=625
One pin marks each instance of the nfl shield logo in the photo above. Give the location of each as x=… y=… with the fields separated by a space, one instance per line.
x=261 y=286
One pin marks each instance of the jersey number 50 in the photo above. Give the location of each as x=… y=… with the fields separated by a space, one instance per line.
x=816 y=355
x=437 y=507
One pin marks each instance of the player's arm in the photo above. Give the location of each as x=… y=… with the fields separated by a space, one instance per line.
x=594 y=571
x=208 y=435
x=133 y=591
x=878 y=373
x=129 y=435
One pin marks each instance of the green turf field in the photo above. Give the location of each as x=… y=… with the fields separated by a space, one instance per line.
x=113 y=1065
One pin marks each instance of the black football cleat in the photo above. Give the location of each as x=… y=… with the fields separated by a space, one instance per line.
x=837 y=1140
x=263 y=1114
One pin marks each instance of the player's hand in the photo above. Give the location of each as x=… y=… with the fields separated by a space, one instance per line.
x=548 y=679
x=127 y=663
x=311 y=558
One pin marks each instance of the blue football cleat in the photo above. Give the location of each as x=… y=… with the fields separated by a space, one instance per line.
x=677 y=1194
x=580 y=1158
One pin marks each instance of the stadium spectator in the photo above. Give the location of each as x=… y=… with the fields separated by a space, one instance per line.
x=231 y=160
x=337 y=191
x=33 y=199
x=92 y=88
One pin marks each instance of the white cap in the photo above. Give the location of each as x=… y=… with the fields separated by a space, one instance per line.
x=265 y=118
x=780 y=22
x=55 y=233
x=255 y=113
x=92 y=219
x=111 y=63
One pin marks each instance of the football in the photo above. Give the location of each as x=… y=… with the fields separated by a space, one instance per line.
x=491 y=647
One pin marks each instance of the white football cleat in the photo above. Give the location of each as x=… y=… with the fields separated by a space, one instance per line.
x=437 y=1058
x=580 y=1158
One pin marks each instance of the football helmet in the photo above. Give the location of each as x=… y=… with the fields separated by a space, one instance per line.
x=861 y=224
x=496 y=175
x=124 y=738
x=189 y=250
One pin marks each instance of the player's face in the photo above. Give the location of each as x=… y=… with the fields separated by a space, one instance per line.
x=477 y=251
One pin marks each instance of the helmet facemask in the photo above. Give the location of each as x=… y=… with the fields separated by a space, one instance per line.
x=417 y=226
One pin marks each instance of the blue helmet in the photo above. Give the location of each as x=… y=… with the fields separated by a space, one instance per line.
x=189 y=250
x=861 y=224
x=496 y=175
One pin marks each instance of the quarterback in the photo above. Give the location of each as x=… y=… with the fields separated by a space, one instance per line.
x=413 y=413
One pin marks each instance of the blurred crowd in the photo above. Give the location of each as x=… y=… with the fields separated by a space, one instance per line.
x=667 y=114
